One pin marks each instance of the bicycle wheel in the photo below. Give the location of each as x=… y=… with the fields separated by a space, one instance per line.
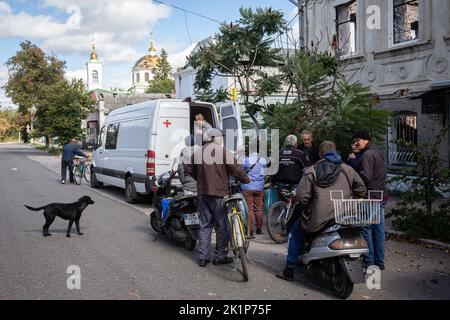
x=239 y=244
x=87 y=173
x=275 y=222
x=77 y=174
x=243 y=263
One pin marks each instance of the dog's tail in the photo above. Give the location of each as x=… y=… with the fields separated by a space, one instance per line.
x=34 y=209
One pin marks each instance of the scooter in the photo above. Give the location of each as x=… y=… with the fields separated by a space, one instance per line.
x=334 y=257
x=175 y=212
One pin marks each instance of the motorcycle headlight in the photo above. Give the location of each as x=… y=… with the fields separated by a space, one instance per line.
x=345 y=244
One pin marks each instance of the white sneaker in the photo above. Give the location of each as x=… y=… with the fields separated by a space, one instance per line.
x=63 y=182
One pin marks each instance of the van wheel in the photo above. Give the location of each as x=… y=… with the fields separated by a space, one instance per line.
x=130 y=191
x=94 y=182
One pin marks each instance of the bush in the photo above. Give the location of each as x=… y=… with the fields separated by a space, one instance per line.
x=416 y=223
x=54 y=151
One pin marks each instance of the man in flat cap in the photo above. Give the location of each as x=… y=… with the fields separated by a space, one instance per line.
x=372 y=169
x=211 y=166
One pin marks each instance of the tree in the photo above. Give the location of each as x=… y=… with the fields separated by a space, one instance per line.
x=31 y=73
x=163 y=69
x=4 y=126
x=11 y=122
x=65 y=105
x=416 y=214
x=241 y=50
x=162 y=81
x=325 y=101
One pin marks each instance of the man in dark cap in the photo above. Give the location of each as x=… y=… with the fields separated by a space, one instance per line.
x=211 y=166
x=372 y=169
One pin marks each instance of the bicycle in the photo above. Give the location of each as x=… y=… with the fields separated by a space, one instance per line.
x=239 y=242
x=279 y=214
x=81 y=170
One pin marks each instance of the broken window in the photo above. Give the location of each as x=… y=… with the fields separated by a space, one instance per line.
x=403 y=139
x=406 y=20
x=346 y=27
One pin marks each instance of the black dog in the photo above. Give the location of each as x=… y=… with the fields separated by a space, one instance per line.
x=66 y=211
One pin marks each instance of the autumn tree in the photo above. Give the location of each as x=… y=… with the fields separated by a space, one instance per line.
x=36 y=81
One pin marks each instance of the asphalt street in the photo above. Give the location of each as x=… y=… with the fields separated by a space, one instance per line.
x=119 y=259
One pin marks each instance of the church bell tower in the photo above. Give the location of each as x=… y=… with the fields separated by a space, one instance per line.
x=94 y=71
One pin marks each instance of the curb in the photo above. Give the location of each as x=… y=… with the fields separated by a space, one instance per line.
x=442 y=245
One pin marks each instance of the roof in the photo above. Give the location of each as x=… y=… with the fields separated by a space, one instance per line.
x=113 y=101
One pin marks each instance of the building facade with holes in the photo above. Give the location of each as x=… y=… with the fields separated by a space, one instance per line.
x=401 y=49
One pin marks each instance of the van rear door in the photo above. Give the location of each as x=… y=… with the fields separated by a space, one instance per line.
x=172 y=127
x=230 y=123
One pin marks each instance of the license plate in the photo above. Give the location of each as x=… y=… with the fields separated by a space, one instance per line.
x=191 y=219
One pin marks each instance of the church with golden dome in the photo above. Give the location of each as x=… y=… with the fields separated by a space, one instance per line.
x=142 y=71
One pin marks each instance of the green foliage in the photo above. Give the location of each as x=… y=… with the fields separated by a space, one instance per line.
x=162 y=82
x=415 y=222
x=219 y=95
x=416 y=214
x=425 y=179
x=326 y=102
x=30 y=73
x=161 y=86
x=240 y=49
x=63 y=107
x=163 y=69
x=37 y=80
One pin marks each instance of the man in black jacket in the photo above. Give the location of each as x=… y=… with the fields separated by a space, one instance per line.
x=291 y=163
x=372 y=169
x=309 y=148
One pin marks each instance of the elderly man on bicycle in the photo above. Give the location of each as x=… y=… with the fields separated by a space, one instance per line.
x=70 y=150
x=313 y=193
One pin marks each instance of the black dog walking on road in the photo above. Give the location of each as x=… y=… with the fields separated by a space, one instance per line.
x=66 y=211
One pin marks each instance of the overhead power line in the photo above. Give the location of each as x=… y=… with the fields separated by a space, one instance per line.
x=188 y=11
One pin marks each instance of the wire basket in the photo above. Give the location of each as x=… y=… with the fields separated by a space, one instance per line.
x=357 y=212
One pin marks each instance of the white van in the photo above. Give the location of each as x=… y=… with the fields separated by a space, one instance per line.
x=139 y=142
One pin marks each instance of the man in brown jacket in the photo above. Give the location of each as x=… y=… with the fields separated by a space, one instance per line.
x=212 y=166
x=313 y=192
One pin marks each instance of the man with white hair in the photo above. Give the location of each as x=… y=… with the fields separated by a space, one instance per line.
x=309 y=148
x=291 y=163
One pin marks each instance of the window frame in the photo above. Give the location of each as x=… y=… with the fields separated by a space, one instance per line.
x=337 y=24
x=391 y=33
x=392 y=135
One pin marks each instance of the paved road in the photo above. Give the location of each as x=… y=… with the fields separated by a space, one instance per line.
x=119 y=259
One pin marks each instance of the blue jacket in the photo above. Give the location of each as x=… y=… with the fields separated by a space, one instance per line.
x=70 y=151
x=256 y=174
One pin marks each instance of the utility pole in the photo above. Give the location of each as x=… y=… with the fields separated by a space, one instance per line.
x=301 y=27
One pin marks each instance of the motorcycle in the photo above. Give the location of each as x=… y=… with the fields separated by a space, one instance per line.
x=175 y=212
x=334 y=257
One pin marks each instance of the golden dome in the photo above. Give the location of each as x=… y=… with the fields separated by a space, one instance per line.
x=150 y=60
x=93 y=53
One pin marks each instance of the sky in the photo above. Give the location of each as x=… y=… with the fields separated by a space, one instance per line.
x=120 y=29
